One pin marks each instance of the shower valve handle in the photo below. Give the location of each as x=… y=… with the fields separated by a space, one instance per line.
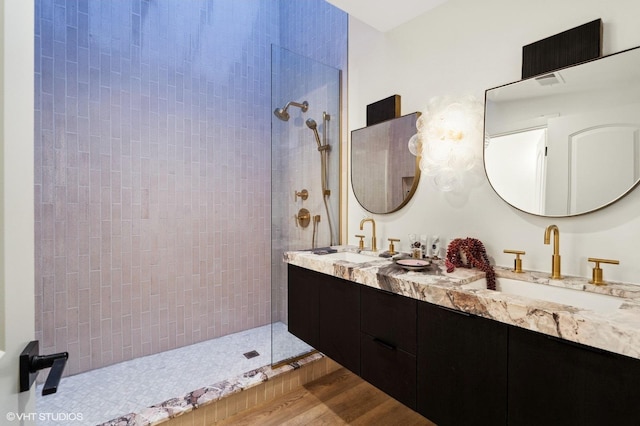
x=302 y=218
x=304 y=194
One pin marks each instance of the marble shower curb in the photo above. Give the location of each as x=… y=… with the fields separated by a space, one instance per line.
x=205 y=396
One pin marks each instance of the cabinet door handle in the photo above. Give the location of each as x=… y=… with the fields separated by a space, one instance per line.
x=384 y=344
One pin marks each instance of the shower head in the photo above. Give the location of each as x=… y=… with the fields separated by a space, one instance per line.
x=283 y=114
x=311 y=123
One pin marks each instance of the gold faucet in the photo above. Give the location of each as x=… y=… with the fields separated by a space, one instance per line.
x=597 y=270
x=555 y=259
x=373 y=236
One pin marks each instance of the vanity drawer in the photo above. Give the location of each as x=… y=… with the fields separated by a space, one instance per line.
x=388 y=368
x=389 y=317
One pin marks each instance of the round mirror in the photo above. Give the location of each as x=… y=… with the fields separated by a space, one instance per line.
x=567 y=142
x=384 y=173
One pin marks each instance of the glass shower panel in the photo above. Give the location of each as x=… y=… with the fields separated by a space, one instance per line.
x=299 y=221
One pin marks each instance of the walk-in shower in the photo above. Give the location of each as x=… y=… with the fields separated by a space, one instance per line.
x=153 y=174
x=297 y=169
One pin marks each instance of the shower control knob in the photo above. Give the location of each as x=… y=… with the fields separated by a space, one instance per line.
x=303 y=218
x=304 y=194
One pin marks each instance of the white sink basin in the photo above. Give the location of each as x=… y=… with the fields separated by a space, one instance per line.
x=349 y=257
x=565 y=296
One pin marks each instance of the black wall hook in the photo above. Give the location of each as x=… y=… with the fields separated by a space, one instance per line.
x=31 y=362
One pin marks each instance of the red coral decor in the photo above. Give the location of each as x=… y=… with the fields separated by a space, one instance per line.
x=473 y=251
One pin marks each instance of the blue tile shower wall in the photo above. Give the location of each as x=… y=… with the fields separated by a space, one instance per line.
x=152 y=173
x=315 y=29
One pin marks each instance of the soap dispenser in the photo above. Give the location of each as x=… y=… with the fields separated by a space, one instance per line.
x=416 y=246
x=435 y=246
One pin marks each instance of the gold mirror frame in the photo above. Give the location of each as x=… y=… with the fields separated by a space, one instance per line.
x=563 y=118
x=380 y=158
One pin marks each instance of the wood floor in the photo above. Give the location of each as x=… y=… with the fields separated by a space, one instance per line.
x=339 y=398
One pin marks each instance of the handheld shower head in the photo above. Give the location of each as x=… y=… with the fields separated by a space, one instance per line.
x=283 y=114
x=311 y=123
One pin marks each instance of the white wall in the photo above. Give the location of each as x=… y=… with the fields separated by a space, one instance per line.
x=466 y=47
x=16 y=204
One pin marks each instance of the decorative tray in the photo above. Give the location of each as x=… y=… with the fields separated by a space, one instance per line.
x=412 y=264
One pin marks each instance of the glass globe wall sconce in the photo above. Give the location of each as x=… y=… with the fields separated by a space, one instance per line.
x=449 y=139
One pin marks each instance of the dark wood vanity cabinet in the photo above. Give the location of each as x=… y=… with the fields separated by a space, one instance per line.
x=388 y=343
x=303 y=304
x=324 y=311
x=462 y=367
x=368 y=331
x=556 y=382
x=459 y=369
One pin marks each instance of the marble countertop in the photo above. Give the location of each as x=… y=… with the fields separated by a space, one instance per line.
x=617 y=330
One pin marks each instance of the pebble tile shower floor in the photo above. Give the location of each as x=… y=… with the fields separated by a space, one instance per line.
x=103 y=394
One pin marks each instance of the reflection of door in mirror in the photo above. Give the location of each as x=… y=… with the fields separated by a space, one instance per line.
x=592 y=158
x=384 y=173
x=516 y=167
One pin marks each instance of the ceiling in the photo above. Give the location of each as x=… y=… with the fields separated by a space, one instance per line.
x=384 y=15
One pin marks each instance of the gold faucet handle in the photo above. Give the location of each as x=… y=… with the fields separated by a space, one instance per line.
x=361 y=242
x=597 y=271
x=517 y=262
x=392 y=249
x=304 y=194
